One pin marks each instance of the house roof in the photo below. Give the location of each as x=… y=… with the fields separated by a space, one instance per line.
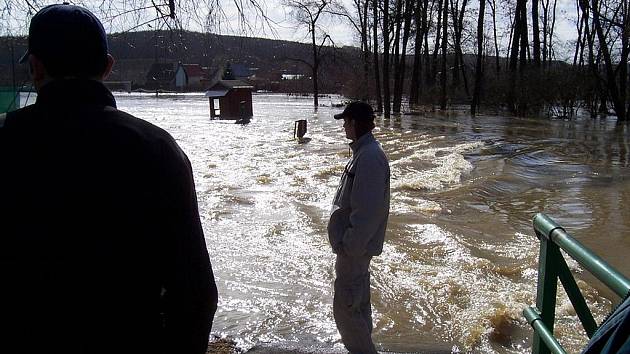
x=230 y=84
x=240 y=70
x=194 y=70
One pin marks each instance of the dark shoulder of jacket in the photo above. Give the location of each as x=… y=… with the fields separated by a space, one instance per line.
x=21 y=115
x=160 y=139
x=141 y=127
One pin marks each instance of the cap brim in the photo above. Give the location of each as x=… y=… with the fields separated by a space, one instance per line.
x=338 y=116
x=24 y=57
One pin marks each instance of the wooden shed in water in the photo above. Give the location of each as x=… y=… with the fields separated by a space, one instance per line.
x=234 y=100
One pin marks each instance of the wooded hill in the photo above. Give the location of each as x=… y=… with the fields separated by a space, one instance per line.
x=268 y=59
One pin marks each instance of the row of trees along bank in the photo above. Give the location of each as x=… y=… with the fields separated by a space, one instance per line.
x=498 y=54
x=493 y=54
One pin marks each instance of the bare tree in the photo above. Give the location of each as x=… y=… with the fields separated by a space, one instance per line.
x=611 y=21
x=308 y=13
x=358 y=17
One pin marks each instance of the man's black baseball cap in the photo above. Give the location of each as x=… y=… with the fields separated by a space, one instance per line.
x=68 y=39
x=358 y=111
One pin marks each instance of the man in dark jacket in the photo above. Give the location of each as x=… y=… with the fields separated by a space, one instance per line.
x=101 y=245
x=356 y=229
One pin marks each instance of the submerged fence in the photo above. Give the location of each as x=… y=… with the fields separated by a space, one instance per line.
x=552 y=267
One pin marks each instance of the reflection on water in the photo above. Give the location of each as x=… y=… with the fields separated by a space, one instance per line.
x=459 y=264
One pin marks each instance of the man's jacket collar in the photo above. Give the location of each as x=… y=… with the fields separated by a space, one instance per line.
x=363 y=140
x=69 y=93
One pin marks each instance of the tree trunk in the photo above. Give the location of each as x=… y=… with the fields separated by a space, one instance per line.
x=479 y=64
x=416 y=80
x=444 y=47
x=456 y=32
x=579 y=43
x=496 y=42
x=427 y=64
x=551 y=29
x=438 y=39
x=524 y=40
x=399 y=83
x=514 y=55
x=386 y=98
x=625 y=51
x=588 y=34
x=536 y=33
x=315 y=67
x=377 y=79
x=458 y=47
x=414 y=97
x=516 y=35
x=613 y=90
x=396 y=61
x=366 y=50
x=545 y=5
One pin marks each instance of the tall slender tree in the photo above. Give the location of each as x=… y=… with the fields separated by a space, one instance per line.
x=401 y=65
x=443 y=73
x=536 y=33
x=497 y=53
x=479 y=63
x=386 y=88
x=420 y=16
x=377 y=79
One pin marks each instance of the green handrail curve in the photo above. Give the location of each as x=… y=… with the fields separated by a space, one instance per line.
x=551 y=267
x=616 y=281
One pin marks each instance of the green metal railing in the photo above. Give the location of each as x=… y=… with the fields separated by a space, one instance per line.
x=552 y=267
x=9 y=99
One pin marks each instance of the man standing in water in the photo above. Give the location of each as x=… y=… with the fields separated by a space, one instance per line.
x=101 y=245
x=356 y=229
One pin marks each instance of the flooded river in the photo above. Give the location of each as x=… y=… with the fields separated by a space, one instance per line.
x=460 y=260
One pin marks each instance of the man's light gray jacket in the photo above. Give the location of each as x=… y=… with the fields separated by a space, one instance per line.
x=358 y=218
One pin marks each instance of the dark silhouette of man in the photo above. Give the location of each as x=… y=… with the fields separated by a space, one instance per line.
x=101 y=245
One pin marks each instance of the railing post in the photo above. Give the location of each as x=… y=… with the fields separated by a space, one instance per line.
x=547 y=289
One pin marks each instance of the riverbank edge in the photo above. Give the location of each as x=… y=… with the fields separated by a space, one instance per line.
x=228 y=346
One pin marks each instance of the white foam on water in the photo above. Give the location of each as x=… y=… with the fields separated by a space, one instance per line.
x=449 y=165
x=457 y=296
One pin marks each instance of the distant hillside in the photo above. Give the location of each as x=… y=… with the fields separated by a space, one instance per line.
x=135 y=52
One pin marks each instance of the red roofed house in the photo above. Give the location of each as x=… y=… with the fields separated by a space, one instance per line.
x=189 y=77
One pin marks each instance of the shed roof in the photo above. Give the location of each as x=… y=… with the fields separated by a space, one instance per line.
x=216 y=93
x=222 y=87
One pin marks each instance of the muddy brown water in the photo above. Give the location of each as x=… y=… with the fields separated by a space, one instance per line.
x=460 y=260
